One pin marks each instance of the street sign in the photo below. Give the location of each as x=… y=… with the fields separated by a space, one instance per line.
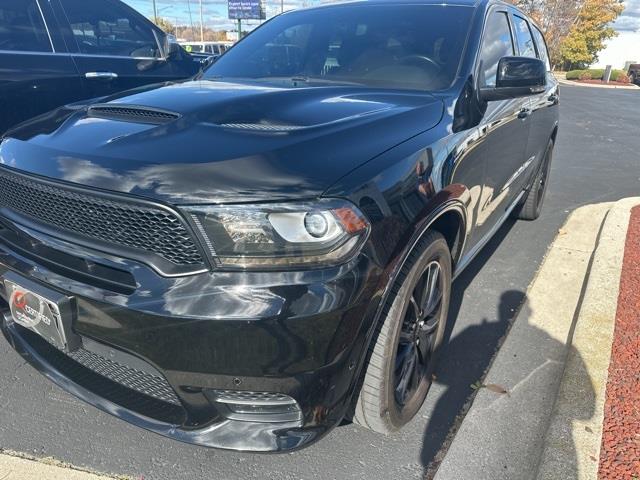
x=246 y=10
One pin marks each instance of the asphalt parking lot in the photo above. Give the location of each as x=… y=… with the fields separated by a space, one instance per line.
x=596 y=160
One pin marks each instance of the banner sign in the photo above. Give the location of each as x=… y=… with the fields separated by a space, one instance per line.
x=246 y=10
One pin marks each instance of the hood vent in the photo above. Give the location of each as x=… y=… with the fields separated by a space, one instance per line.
x=132 y=113
x=263 y=127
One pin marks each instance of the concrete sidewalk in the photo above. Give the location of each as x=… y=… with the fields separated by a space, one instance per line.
x=564 y=81
x=519 y=427
x=14 y=466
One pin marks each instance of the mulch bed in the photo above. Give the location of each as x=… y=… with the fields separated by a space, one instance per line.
x=620 y=453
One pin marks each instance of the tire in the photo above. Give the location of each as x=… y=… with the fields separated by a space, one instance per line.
x=632 y=78
x=532 y=205
x=378 y=406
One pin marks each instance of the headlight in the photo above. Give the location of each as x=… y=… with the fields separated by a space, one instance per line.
x=273 y=236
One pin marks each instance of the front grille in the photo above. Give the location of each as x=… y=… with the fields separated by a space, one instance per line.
x=142 y=382
x=119 y=223
x=132 y=114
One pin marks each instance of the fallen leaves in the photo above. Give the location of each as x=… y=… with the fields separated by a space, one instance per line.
x=492 y=387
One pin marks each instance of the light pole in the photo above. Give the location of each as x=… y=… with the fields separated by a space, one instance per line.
x=155 y=12
x=201 y=24
x=190 y=17
x=281 y=6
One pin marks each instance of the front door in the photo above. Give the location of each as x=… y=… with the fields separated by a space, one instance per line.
x=36 y=73
x=503 y=132
x=117 y=49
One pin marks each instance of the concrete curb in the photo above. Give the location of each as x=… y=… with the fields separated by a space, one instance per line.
x=20 y=467
x=572 y=443
x=504 y=434
x=591 y=85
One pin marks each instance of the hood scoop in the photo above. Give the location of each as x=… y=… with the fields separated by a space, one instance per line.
x=132 y=113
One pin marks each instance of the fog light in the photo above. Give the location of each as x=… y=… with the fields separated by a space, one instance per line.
x=267 y=407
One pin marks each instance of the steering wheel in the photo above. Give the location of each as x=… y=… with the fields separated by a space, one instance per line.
x=420 y=59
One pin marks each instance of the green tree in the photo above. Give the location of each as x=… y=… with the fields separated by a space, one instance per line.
x=588 y=35
x=576 y=30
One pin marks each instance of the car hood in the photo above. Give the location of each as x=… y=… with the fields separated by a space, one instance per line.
x=220 y=142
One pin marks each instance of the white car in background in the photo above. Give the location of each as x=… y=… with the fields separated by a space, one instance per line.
x=214 y=49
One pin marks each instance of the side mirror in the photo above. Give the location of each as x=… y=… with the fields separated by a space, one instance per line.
x=171 y=46
x=517 y=77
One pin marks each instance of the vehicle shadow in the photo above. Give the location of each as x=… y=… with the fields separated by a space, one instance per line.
x=519 y=436
x=465 y=358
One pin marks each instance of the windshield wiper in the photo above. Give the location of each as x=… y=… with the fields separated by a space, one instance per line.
x=310 y=80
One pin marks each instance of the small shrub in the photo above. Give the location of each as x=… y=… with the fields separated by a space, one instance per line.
x=574 y=74
x=616 y=74
x=623 y=78
x=586 y=75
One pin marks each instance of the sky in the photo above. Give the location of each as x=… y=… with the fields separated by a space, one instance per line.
x=626 y=46
x=623 y=48
x=214 y=12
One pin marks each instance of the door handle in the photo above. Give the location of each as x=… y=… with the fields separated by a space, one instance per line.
x=101 y=75
x=524 y=113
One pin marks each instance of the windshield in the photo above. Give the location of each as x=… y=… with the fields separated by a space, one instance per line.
x=406 y=47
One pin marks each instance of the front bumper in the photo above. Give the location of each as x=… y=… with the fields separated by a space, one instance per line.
x=299 y=334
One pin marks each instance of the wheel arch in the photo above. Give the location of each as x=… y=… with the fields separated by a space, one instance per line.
x=455 y=234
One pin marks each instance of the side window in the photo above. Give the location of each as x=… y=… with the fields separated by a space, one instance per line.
x=106 y=28
x=543 y=52
x=22 y=28
x=523 y=35
x=496 y=44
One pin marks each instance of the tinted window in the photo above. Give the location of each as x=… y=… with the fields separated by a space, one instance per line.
x=412 y=47
x=496 y=44
x=523 y=35
x=108 y=28
x=543 y=53
x=22 y=28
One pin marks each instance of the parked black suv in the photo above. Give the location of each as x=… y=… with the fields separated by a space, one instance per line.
x=634 y=73
x=56 y=52
x=242 y=260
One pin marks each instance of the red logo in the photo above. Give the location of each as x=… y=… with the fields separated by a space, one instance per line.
x=19 y=300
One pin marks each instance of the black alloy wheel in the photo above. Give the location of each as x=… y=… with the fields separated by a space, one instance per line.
x=403 y=355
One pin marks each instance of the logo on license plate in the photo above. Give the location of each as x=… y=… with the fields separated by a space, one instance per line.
x=28 y=309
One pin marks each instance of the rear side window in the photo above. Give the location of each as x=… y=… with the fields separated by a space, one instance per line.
x=107 y=28
x=22 y=28
x=543 y=52
x=523 y=35
x=496 y=44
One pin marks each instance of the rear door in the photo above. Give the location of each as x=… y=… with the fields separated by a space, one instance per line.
x=543 y=106
x=116 y=48
x=36 y=72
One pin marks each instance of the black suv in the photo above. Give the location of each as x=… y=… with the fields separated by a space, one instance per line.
x=244 y=259
x=56 y=52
